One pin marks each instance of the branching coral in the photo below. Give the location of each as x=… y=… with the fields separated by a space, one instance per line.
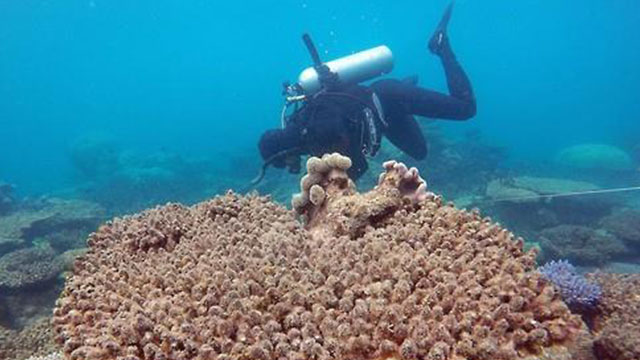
x=574 y=289
x=342 y=210
x=390 y=273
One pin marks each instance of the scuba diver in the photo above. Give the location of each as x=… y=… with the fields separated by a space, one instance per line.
x=334 y=113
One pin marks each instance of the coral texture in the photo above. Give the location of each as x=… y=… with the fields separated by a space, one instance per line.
x=390 y=273
x=35 y=340
x=28 y=267
x=50 y=218
x=625 y=225
x=580 y=244
x=52 y=356
x=575 y=289
x=618 y=325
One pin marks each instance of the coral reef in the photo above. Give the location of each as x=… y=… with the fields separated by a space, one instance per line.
x=531 y=189
x=52 y=356
x=140 y=181
x=68 y=258
x=528 y=204
x=390 y=273
x=36 y=239
x=23 y=307
x=580 y=244
x=618 y=326
x=462 y=165
x=625 y=225
x=48 y=218
x=35 y=340
x=8 y=244
x=457 y=165
x=27 y=268
x=595 y=157
x=575 y=290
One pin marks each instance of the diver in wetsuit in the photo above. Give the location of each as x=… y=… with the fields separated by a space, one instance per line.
x=351 y=118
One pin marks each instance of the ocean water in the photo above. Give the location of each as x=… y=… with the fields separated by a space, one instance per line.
x=129 y=104
x=203 y=77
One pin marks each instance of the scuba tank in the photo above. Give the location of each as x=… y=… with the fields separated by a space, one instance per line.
x=318 y=81
x=351 y=69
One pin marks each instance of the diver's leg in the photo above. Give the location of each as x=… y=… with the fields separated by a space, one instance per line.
x=460 y=104
x=457 y=80
x=415 y=100
x=405 y=133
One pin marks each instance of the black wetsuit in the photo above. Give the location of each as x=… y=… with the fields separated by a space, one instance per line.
x=332 y=125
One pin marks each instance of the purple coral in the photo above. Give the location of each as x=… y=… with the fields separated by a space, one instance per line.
x=575 y=290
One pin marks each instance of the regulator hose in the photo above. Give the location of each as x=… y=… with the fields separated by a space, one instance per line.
x=263 y=169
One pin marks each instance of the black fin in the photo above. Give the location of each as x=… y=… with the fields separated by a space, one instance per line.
x=439 y=38
x=446 y=16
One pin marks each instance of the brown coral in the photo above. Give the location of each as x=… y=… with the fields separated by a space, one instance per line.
x=393 y=272
x=36 y=339
x=617 y=326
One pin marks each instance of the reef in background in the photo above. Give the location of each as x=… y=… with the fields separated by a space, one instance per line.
x=39 y=239
x=467 y=169
x=123 y=181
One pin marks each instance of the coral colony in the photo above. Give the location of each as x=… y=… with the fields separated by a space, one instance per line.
x=391 y=273
x=574 y=289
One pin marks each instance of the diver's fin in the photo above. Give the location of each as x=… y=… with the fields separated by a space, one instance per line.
x=439 y=37
x=411 y=80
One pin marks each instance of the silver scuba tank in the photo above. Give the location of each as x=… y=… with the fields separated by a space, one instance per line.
x=351 y=69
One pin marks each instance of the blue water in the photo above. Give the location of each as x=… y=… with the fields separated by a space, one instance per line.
x=132 y=103
x=203 y=77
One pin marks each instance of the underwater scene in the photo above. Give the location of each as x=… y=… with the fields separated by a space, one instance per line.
x=300 y=179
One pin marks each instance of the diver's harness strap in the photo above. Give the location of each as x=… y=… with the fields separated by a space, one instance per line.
x=370 y=136
x=370 y=121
